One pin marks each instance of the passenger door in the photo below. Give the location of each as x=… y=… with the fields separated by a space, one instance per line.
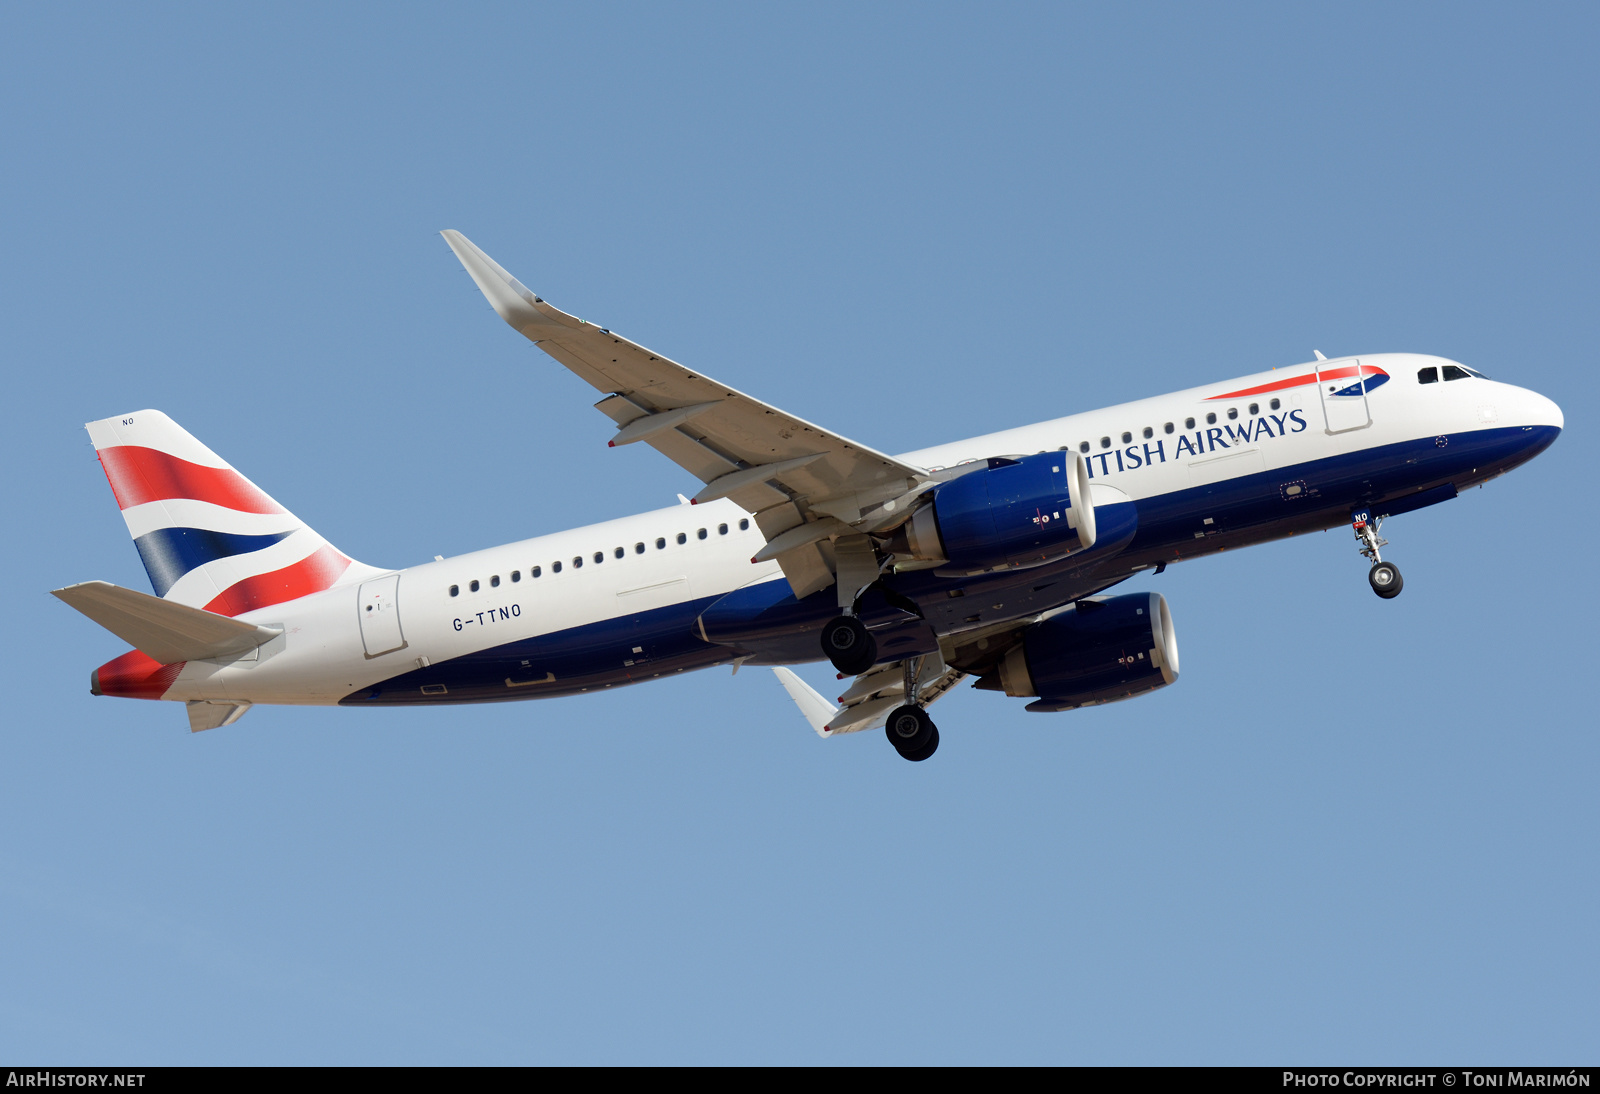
x=378 y=606
x=1343 y=390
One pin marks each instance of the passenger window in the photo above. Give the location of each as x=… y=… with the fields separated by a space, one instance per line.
x=1148 y=433
x=1083 y=446
x=599 y=557
x=494 y=582
x=638 y=548
x=618 y=553
x=1168 y=428
x=516 y=576
x=1451 y=372
x=455 y=590
x=555 y=567
x=661 y=543
x=701 y=534
x=1429 y=375
x=1188 y=423
x=1105 y=442
x=1233 y=412
x=722 y=529
x=1255 y=408
x=1211 y=419
x=536 y=571
x=1127 y=438
x=577 y=562
x=1276 y=404
x=682 y=539
x=472 y=586
x=744 y=524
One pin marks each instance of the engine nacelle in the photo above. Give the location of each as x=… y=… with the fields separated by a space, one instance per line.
x=1099 y=652
x=1014 y=512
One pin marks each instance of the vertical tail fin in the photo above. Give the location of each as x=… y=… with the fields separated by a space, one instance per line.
x=208 y=536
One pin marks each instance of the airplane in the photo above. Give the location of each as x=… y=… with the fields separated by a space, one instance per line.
x=987 y=558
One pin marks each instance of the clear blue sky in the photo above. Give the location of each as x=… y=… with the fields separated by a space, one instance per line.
x=1355 y=830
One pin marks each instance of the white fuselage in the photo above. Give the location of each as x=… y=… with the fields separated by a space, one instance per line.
x=321 y=657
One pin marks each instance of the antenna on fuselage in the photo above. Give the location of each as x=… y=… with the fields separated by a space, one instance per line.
x=1318 y=352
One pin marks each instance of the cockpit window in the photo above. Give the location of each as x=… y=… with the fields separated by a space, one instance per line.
x=1455 y=372
x=1429 y=375
x=1473 y=372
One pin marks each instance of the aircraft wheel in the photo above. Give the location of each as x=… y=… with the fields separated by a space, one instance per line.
x=848 y=644
x=910 y=729
x=926 y=750
x=1384 y=577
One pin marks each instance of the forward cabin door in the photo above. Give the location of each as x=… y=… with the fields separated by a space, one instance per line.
x=1343 y=390
x=379 y=606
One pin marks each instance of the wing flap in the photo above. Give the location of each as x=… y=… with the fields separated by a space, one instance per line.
x=867 y=703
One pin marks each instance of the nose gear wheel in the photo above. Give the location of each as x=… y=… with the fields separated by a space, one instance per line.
x=1384 y=577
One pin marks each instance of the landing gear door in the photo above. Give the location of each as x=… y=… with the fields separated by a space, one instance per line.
x=1342 y=387
x=378 y=605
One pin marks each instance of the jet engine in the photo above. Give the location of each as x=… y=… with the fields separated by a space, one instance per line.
x=1014 y=512
x=1099 y=651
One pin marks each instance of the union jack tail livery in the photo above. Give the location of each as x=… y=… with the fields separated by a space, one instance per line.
x=209 y=537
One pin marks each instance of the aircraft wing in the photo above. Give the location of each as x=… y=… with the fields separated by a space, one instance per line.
x=804 y=484
x=867 y=703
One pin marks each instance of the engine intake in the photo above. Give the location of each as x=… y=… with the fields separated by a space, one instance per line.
x=1014 y=512
x=1099 y=652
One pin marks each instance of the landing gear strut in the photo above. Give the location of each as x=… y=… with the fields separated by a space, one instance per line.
x=1384 y=577
x=845 y=640
x=909 y=728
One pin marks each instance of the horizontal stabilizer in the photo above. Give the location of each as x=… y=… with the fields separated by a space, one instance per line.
x=161 y=629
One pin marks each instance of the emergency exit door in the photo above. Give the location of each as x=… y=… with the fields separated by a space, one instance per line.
x=378 y=605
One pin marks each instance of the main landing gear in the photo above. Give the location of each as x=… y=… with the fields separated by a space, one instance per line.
x=1384 y=577
x=909 y=728
x=849 y=645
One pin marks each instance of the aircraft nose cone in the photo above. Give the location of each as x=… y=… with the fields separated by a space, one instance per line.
x=1550 y=414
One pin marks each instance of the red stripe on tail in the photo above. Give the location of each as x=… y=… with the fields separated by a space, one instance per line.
x=138 y=475
x=310 y=575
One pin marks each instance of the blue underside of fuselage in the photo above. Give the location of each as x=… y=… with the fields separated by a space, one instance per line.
x=772 y=627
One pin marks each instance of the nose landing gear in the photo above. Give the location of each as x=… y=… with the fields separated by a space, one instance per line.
x=909 y=728
x=1384 y=577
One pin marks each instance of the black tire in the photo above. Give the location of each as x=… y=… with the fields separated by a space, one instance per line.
x=926 y=750
x=909 y=729
x=848 y=644
x=1384 y=577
